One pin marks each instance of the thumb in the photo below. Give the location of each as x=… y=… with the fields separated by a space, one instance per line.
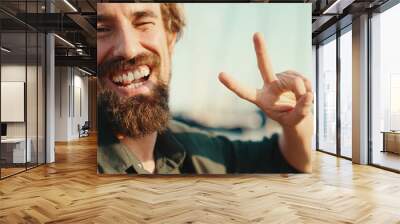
x=236 y=87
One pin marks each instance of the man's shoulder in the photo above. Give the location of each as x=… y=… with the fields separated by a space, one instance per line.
x=178 y=127
x=191 y=136
x=204 y=150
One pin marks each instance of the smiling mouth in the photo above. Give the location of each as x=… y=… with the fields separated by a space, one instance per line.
x=133 y=78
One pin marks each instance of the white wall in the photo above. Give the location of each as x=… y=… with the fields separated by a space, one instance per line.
x=13 y=73
x=69 y=85
x=80 y=84
x=61 y=103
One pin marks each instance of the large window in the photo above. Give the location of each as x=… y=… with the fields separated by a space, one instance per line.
x=329 y=112
x=385 y=88
x=327 y=96
x=346 y=93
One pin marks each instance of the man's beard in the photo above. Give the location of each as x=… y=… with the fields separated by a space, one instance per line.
x=139 y=115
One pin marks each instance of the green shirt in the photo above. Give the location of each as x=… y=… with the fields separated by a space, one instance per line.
x=181 y=149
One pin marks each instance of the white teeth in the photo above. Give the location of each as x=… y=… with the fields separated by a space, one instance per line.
x=142 y=71
x=130 y=76
x=134 y=85
x=125 y=77
x=145 y=71
x=139 y=73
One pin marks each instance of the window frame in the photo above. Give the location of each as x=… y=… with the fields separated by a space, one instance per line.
x=334 y=37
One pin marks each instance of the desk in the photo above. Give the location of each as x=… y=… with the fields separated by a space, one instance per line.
x=391 y=141
x=13 y=150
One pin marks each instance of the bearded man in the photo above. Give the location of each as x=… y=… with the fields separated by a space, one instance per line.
x=135 y=44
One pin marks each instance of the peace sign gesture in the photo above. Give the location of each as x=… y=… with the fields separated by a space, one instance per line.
x=284 y=97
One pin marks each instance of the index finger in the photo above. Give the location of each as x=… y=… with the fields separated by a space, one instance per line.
x=263 y=61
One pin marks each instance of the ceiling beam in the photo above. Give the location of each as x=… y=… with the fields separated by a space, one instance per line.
x=84 y=24
x=82 y=61
x=337 y=6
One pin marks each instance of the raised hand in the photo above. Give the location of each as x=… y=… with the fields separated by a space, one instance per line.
x=284 y=97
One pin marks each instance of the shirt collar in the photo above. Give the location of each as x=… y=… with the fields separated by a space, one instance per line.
x=168 y=151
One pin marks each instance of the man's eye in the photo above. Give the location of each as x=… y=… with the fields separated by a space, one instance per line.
x=144 y=24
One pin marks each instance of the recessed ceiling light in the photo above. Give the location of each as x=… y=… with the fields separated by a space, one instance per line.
x=5 y=50
x=84 y=71
x=337 y=7
x=70 y=5
x=65 y=41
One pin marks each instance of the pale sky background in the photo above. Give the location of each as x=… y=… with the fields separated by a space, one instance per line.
x=218 y=37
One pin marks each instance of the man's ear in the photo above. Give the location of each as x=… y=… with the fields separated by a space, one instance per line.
x=171 y=38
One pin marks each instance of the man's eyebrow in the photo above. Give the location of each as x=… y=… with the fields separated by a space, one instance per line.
x=143 y=14
x=136 y=16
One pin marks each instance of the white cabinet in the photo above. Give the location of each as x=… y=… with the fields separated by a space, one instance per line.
x=17 y=147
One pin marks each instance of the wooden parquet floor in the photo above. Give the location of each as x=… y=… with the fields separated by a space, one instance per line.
x=69 y=191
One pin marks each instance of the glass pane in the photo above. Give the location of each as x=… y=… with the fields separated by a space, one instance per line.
x=327 y=97
x=386 y=89
x=314 y=70
x=346 y=94
x=13 y=86
x=41 y=98
x=31 y=98
x=24 y=91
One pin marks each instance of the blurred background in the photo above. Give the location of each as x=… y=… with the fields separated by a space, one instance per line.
x=218 y=37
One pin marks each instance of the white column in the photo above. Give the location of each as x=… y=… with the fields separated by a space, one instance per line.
x=50 y=92
x=360 y=90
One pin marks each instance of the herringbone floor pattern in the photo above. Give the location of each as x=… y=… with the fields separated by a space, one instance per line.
x=70 y=191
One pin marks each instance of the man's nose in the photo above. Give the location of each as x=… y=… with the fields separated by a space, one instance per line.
x=128 y=45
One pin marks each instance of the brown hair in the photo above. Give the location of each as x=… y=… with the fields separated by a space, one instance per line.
x=173 y=17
